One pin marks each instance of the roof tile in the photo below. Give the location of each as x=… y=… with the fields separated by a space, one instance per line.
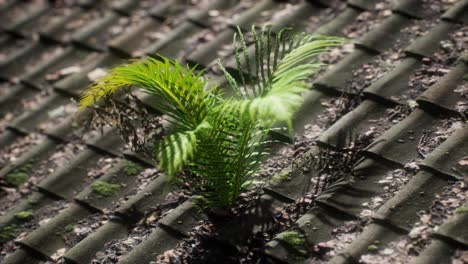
x=362 y=4
x=315 y=225
x=399 y=144
x=352 y=197
x=444 y=95
x=154 y=193
x=22 y=13
x=97 y=33
x=373 y=234
x=438 y=251
x=66 y=181
x=22 y=256
x=419 y=192
x=357 y=122
x=182 y=219
x=135 y=39
x=115 y=176
x=175 y=42
x=336 y=25
x=426 y=45
x=393 y=83
x=334 y=80
x=73 y=84
x=56 y=30
x=30 y=120
x=86 y=249
x=51 y=70
x=14 y=64
x=156 y=243
x=382 y=38
x=454 y=228
x=458 y=13
x=48 y=238
x=448 y=158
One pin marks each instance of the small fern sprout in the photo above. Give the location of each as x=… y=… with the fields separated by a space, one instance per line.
x=222 y=140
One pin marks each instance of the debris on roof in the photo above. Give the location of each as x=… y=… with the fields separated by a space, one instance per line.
x=377 y=172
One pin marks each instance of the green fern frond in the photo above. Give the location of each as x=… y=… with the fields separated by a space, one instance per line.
x=231 y=161
x=282 y=69
x=175 y=151
x=182 y=91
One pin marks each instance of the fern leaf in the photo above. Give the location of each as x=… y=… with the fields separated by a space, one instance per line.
x=183 y=91
x=277 y=92
x=178 y=149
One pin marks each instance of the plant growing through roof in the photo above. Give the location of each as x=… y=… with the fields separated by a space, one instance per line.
x=221 y=140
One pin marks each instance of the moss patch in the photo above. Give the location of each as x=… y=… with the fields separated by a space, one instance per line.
x=7 y=233
x=69 y=228
x=462 y=210
x=293 y=238
x=104 y=188
x=24 y=215
x=373 y=248
x=282 y=176
x=20 y=175
x=132 y=169
x=16 y=178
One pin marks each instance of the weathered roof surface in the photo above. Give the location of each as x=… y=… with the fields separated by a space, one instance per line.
x=403 y=80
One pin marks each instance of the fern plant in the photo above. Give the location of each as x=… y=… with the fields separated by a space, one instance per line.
x=222 y=140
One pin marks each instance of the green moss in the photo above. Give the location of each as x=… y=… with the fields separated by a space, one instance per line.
x=7 y=233
x=132 y=169
x=24 y=215
x=282 y=176
x=16 y=178
x=20 y=175
x=462 y=210
x=373 y=248
x=293 y=238
x=69 y=228
x=105 y=189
